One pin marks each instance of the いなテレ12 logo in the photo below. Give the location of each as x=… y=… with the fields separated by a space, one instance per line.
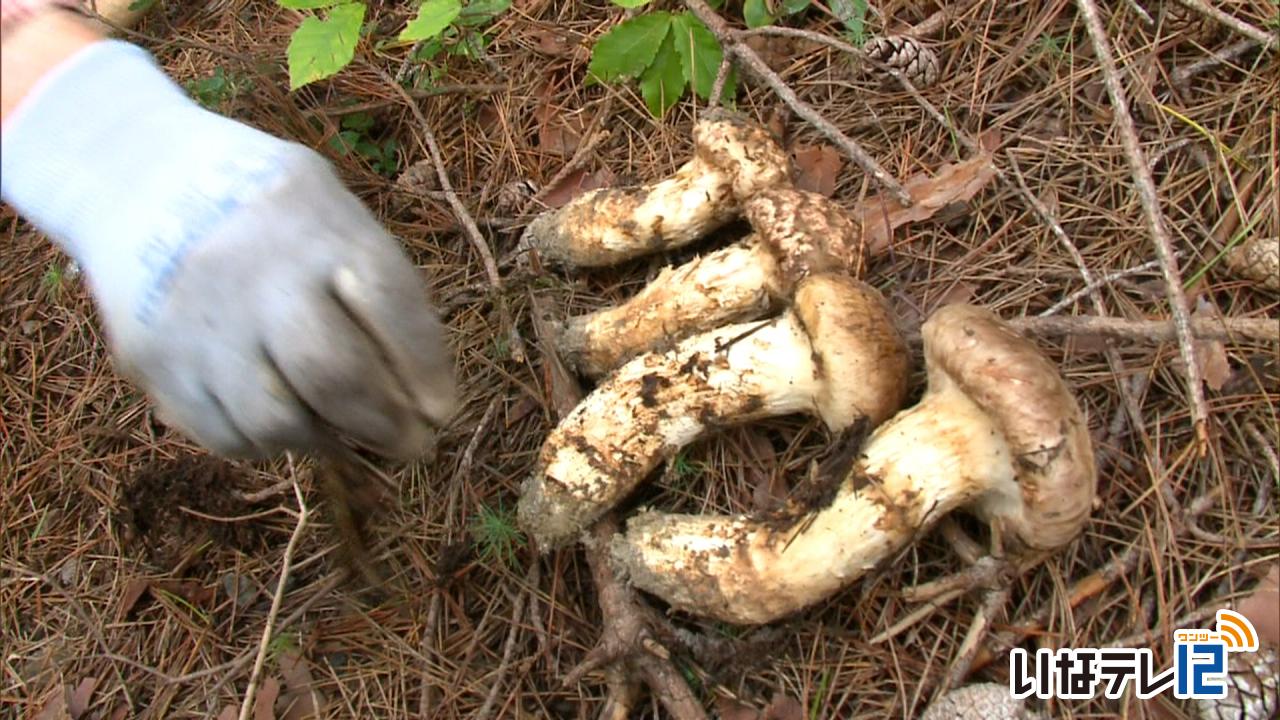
x=1199 y=670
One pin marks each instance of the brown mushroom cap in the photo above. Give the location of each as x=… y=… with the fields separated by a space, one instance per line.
x=1020 y=389
x=808 y=232
x=856 y=348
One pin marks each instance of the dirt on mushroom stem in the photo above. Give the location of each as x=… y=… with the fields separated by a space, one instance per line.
x=835 y=354
x=797 y=234
x=734 y=158
x=997 y=430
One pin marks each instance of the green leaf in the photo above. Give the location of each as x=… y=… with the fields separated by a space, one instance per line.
x=320 y=48
x=853 y=13
x=663 y=84
x=700 y=52
x=626 y=50
x=791 y=7
x=630 y=3
x=479 y=12
x=756 y=13
x=433 y=17
x=308 y=4
x=141 y=5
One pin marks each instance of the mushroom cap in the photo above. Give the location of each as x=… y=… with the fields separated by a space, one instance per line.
x=809 y=232
x=969 y=349
x=858 y=352
x=743 y=149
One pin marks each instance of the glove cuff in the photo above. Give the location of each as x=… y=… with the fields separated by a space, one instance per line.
x=120 y=168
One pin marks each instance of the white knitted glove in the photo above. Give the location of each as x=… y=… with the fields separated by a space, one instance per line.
x=255 y=298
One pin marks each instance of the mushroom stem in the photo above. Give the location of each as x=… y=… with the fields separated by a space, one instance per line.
x=835 y=354
x=919 y=466
x=797 y=233
x=997 y=431
x=734 y=158
x=737 y=283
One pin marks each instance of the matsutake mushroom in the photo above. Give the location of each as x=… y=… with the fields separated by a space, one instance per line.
x=796 y=233
x=834 y=353
x=997 y=432
x=734 y=159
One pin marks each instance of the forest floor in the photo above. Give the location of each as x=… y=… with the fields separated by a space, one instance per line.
x=139 y=573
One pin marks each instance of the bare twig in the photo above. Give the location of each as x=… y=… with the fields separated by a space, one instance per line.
x=730 y=40
x=428 y=137
x=1233 y=22
x=517 y=612
x=1183 y=75
x=993 y=604
x=1146 y=189
x=277 y=598
x=426 y=695
x=477 y=89
x=1090 y=585
x=1097 y=283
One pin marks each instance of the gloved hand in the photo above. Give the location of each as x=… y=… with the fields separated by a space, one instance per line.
x=242 y=286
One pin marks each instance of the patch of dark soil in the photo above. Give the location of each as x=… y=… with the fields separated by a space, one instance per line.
x=175 y=508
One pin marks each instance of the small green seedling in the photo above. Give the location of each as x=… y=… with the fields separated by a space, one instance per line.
x=218 y=89
x=51 y=282
x=496 y=535
x=684 y=468
x=354 y=138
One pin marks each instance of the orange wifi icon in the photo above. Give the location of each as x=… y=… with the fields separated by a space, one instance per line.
x=1236 y=631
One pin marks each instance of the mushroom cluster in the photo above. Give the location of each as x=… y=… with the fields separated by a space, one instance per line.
x=780 y=323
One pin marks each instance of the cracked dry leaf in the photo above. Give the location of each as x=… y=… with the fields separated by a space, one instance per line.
x=955 y=183
x=78 y=703
x=1260 y=607
x=264 y=704
x=1211 y=355
x=301 y=700
x=817 y=168
x=575 y=184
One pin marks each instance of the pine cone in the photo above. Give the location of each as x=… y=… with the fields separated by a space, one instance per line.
x=907 y=55
x=1192 y=25
x=1251 y=689
x=1257 y=259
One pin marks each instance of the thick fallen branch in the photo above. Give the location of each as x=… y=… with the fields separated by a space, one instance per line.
x=1154 y=331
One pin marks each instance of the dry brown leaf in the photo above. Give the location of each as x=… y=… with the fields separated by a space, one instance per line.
x=302 y=698
x=770 y=487
x=122 y=711
x=576 y=183
x=1260 y=607
x=817 y=168
x=1211 y=355
x=230 y=712
x=730 y=709
x=959 y=293
x=784 y=707
x=193 y=592
x=264 y=705
x=78 y=704
x=954 y=183
x=777 y=52
x=558 y=133
x=523 y=407
x=133 y=590
x=554 y=42
x=56 y=706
